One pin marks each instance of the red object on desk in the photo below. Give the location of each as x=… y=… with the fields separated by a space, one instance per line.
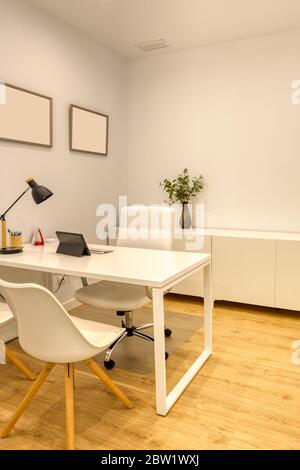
x=41 y=241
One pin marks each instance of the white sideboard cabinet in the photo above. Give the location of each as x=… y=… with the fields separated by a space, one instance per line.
x=244 y=270
x=288 y=275
x=251 y=267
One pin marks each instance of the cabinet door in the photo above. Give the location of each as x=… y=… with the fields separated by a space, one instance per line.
x=288 y=275
x=244 y=270
x=194 y=284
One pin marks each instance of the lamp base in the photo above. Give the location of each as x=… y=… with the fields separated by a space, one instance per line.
x=10 y=251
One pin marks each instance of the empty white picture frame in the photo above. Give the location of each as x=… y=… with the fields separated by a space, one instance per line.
x=25 y=116
x=88 y=131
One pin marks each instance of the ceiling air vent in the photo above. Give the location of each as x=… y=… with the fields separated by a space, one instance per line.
x=154 y=45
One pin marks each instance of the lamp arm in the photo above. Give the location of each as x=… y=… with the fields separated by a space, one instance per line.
x=2 y=217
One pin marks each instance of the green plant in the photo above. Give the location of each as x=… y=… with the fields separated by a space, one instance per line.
x=183 y=188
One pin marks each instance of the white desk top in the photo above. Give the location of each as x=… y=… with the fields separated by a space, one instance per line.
x=152 y=268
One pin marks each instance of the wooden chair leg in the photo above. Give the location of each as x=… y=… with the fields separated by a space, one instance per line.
x=69 y=398
x=19 y=364
x=108 y=382
x=27 y=399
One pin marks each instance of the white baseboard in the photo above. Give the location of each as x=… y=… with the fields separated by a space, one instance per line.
x=70 y=304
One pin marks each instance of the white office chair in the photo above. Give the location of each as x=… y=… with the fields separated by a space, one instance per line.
x=47 y=332
x=155 y=231
x=8 y=332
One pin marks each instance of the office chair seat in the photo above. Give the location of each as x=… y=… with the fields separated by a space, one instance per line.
x=113 y=296
x=97 y=334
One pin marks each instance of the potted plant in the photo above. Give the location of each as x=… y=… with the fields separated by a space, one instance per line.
x=182 y=189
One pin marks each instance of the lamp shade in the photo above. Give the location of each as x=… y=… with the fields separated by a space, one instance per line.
x=39 y=193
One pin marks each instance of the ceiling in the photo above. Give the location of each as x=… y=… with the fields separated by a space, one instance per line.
x=123 y=24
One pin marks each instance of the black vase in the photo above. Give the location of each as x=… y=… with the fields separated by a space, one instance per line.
x=186 y=220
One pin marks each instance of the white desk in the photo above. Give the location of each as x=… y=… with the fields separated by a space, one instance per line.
x=159 y=270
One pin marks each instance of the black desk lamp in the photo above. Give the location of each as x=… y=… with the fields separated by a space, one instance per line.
x=39 y=195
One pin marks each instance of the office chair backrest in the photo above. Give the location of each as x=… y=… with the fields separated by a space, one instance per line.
x=46 y=331
x=147 y=227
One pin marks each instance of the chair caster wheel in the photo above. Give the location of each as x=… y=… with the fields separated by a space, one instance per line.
x=109 y=364
x=168 y=332
x=166 y=356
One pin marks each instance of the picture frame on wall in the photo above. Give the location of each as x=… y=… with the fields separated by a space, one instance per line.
x=26 y=117
x=88 y=131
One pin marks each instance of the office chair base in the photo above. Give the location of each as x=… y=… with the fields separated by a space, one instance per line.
x=128 y=324
x=109 y=364
x=131 y=330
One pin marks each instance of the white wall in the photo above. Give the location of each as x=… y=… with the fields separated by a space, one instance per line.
x=41 y=54
x=44 y=55
x=224 y=111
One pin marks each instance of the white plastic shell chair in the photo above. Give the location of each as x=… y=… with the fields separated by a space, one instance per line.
x=8 y=328
x=47 y=332
x=154 y=230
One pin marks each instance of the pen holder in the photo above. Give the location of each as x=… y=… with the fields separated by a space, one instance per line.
x=16 y=241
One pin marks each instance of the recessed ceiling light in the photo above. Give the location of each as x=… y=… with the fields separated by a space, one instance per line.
x=154 y=45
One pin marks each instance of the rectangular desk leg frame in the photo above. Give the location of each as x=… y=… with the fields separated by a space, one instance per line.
x=165 y=402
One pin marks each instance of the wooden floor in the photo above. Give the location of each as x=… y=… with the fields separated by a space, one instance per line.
x=247 y=396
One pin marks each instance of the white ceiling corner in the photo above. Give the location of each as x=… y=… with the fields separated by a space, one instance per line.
x=122 y=25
